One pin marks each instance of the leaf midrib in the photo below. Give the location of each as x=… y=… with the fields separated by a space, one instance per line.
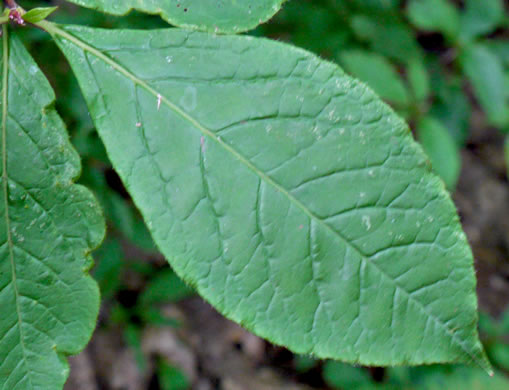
x=54 y=29
x=5 y=179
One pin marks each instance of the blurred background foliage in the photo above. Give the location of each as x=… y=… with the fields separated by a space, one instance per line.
x=443 y=65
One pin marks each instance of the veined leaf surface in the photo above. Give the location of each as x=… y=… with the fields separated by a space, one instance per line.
x=284 y=191
x=218 y=16
x=49 y=303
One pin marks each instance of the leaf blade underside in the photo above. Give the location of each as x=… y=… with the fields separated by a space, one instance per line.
x=285 y=192
x=49 y=225
x=223 y=16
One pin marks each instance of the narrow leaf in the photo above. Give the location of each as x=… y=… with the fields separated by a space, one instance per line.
x=441 y=149
x=452 y=107
x=391 y=37
x=48 y=301
x=481 y=17
x=284 y=191
x=500 y=48
x=37 y=14
x=486 y=73
x=219 y=16
x=376 y=71
x=435 y=15
x=418 y=79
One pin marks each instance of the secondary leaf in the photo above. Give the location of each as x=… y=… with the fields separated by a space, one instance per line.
x=435 y=15
x=463 y=378
x=443 y=377
x=37 y=14
x=418 y=79
x=49 y=303
x=441 y=149
x=172 y=378
x=388 y=36
x=500 y=48
x=224 y=16
x=486 y=73
x=376 y=71
x=284 y=191
x=373 y=6
x=481 y=17
x=452 y=108
x=344 y=376
x=165 y=287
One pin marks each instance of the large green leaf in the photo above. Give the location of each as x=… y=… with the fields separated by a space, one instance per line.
x=224 y=16
x=284 y=191
x=48 y=301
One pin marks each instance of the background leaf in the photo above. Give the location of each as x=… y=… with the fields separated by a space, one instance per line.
x=453 y=109
x=378 y=73
x=171 y=378
x=462 y=378
x=166 y=286
x=224 y=16
x=387 y=35
x=481 y=17
x=418 y=79
x=344 y=376
x=435 y=15
x=486 y=73
x=49 y=225
x=441 y=149
x=284 y=191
